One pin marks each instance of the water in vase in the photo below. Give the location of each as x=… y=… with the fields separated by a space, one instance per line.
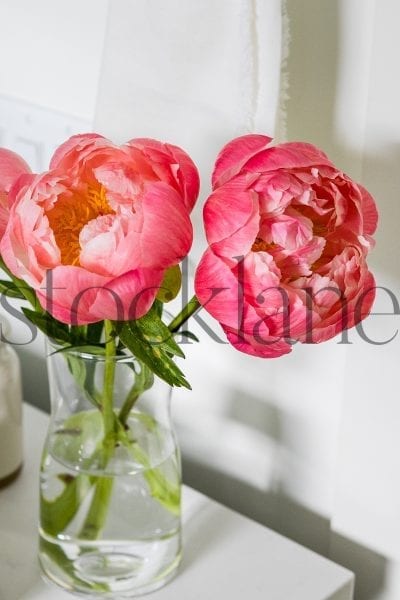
x=113 y=531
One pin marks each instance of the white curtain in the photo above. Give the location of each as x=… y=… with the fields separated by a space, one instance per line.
x=193 y=72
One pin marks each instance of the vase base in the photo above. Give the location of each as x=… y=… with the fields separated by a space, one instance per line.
x=100 y=567
x=120 y=573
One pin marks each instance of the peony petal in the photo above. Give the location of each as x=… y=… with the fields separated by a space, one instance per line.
x=109 y=245
x=369 y=211
x=187 y=175
x=173 y=165
x=75 y=296
x=11 y=167
x=19 y=185
x=247 y=344
x=123 y=184
x=256 y=338
x=301 y=262
x=28 y=246
x=69 y=292
x=167 y=233
x=217 y=289
x=292 y=155
x=4 y=213
x=260 y=279
x=231 y=216
x=99 y=252
x=128 y=297
x=69 y=151
x=235 y=155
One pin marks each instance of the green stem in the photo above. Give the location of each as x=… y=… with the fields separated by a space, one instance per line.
x=25 y=290
x=143 y=381
x=109 y=376
x=129 y=404
x=191 y=307
x=97 y=514
x=168 y=493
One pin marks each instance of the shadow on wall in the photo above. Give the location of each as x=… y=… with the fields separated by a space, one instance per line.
x=370 y=568
x=313 y=68
x=275 y=509
x=381 y=175
x=299 y=524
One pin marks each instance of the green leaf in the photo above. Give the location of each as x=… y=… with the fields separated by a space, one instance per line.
x=51 y=327
x=189 y=335
x=81 y=430
x=67 y=442
x=9 y=289
x=158 y=307
x=171 y=284
x=58 y=513
x=78 y=369
x=98 y=349
x=83 y=372
x=94 y=331
x=156 y=333
x=150 y=340
x=166 y=492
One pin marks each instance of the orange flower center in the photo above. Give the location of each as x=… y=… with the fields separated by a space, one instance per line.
x=70 y=214
x=260 y=245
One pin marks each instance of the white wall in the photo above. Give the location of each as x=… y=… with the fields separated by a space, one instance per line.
x=51 y=52
x=51 y=55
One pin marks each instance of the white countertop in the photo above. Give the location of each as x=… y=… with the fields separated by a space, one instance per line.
x=225 y=555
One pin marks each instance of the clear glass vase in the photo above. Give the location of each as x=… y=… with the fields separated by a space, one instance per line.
x=110 y=478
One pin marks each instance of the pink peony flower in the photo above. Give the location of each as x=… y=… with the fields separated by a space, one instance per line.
x=11 y=167
x=288 y=237
x=94 y=235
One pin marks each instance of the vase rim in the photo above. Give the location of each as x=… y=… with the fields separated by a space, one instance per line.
x=55 y=347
